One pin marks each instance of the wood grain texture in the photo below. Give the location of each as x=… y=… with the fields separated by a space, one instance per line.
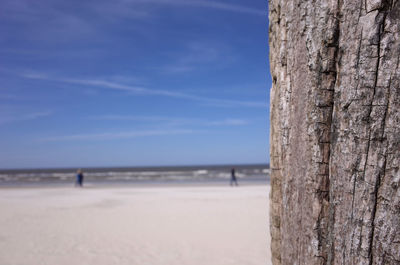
x=335 y=132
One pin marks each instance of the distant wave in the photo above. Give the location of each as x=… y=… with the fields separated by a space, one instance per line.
x=133 y=174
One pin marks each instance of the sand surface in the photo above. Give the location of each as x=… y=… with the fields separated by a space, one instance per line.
x=132 y=225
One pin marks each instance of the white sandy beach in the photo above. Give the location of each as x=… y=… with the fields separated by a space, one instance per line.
x=134 y=225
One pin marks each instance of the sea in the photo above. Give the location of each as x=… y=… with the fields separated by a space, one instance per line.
x=214 y=174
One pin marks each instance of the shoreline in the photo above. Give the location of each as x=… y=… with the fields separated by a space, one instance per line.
x=133 y=184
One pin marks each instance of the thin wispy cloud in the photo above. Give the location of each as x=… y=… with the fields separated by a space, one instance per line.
x=112 y=117
x=66 y=23
x=138 y=90
x=90 y=82
x=172 y=120
x=205 y=4
x=114 y=135
x=45 y=20
x=199 y=55
x=228 y=122
x=23 y=117
x=228 y=7
x=235 y=103
x=106 y=84
x=56 y=21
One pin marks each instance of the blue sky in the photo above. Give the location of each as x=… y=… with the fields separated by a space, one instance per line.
x=133 y=83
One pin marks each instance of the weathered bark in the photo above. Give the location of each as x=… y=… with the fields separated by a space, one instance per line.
x=335 y=131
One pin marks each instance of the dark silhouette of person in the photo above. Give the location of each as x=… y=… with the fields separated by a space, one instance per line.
x=79 y=178
x=233 y=178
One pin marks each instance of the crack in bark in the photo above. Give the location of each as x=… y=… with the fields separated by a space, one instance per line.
x=378 y=178
x=384 y=120
x=329 y=247
x=376 y=191
x=354 y=171
x=358 y=160
x=359 y=48
x=354 y=185
x=381 y=29
x=347 y=105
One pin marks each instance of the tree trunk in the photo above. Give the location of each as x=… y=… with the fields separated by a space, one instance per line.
x=335 y=131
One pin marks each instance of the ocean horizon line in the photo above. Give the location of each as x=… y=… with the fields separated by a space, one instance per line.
x=135 y=168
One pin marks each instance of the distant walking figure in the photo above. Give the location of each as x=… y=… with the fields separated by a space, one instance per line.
x=233 y=177
x=79 y=178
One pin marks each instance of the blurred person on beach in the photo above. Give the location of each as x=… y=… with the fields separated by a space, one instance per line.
x=79 y=178
x=233 y=178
